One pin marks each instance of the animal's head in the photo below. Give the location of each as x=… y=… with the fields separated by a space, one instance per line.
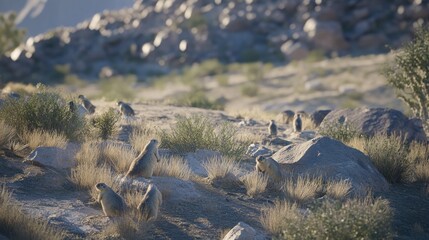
x=153 y=142
x=260 y=159
x=101 y=186
x=119 y=103
x=81 y=97
x=298 y=115
x=272 y=121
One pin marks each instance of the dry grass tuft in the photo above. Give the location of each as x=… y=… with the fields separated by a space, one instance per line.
x=118 y=156
x=7 y=133
x=173 y=167
x=303 y=189
x=43 y=138
x=338 y=189
x=125 y=228
x=14 y=224
x=141 y=135
x=275 y=217
x=354 y=219
x=219 y=168
x=247 y=137
x=357 y=143
x=255 y=183
x=418 y=153
x=254 y=113
x=421 y=172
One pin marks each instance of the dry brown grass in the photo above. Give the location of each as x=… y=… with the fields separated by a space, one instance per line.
x=90 y=171
x=302 y=189
x=421 y=172
x=220 y=167
x=173 y=167
x=274 y=218
x=7 y=133
x=338 y=189
x=38 y=138
x=246 y=136
x=357 y=143
x=118 y=156
x=141 y=135
x=255 y=183
x=17 y=225
x=125 y=228
x=418 y=153
x=19 y=88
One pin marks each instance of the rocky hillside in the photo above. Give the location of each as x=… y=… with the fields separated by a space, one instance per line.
x=156 y=36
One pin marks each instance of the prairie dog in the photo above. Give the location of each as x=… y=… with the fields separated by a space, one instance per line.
x=72 y=106
x=297 y=123
x=87 y=104
x=272 y=128
x=269 y=166
x=150 y=204
x=112 y=204
x=144 y=163
x=126 y=109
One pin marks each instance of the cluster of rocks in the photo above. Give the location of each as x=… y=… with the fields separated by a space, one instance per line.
x=155 y=36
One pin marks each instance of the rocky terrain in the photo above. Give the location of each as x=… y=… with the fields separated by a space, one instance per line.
x=154 y=37
x=199 y=208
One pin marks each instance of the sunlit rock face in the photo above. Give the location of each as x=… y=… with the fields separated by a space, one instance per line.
x=154 y=36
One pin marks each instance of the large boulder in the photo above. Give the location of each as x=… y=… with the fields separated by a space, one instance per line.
x=327 y=35
x=318 y=116
x=332 y=160
x=59 y=158
x=371 y=121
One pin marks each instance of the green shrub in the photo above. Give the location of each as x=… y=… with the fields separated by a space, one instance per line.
x=105 y=124
x=198 y=132
x=341 y=132
x=409 y=74
x=353 y=219
x=389 y=155
x=255 y=72
x=198 y=99
x=45 y=110
x=118 y=87
x=10 y=36
x=250 y=90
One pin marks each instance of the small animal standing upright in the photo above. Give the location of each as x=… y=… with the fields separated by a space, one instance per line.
x=72 y=106
x=150 y=204
x=272 y=128
x=87 y=104
x=126 y=109
x=297 y=123
x=269 y=166
x=143 y=165
x=113 y=205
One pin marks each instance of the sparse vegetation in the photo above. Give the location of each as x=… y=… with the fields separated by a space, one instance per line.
x=249 y=90
x=220 y=168
x=106 y=124
x=198 y=132
x=14 y=224
x=198 y=99
x=118 y=156
x=389 y=156
x=255 y=183
x=10 y=35
x=353 y=219
x=7 y=133
x=343 y=132
x=39 y=137
x=141 y=135
x=302 y=189
x=173 y=167
x=409 y=74
x=338 y=189
x=118 y=87
x=46 y=111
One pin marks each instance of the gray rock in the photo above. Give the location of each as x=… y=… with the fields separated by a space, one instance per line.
x=255 y=150
x=276 y=141
x=241 y=231
x=327 y=35
x=59 y=158
x=294 y=51
x=318 y=116
x=287 y=116
x=332 y=160
x=371 y=121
